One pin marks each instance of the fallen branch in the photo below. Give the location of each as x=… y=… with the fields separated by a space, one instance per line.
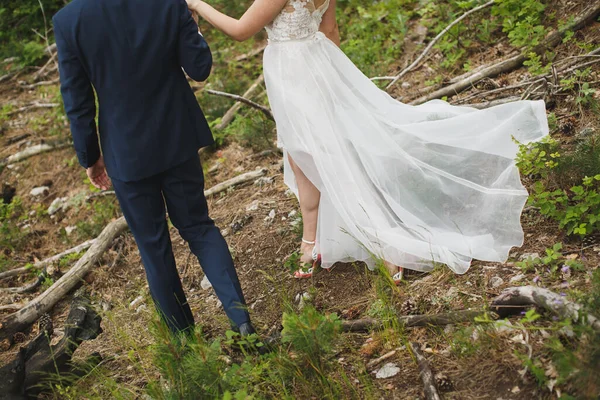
x=230 y=114
x=513 y=300
x=251 y=54
x=30 y=152
x=241 y=99
x=20 y=320
x=431 y=392
x=409 y=321
x=492 y=103
x=30 y=287
x=552 y=40
x=17 y=138
x=43 y=71
x=48 y=261
x=33 y=106
x=377 y=361
x=12 y=307
x=243 y=178
x=42 y=83
x=435 y=40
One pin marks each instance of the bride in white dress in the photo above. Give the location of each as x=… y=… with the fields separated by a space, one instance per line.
x=376 y=178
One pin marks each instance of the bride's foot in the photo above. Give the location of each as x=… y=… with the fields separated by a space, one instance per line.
x=396 y=272
x=309 y=260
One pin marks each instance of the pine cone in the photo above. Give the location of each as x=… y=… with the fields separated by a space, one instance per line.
x=487 y=84
x=568 y=126
x=19 y=337
x=592 y=240
x=443 y=383
x=409 y=307
x=45 y=324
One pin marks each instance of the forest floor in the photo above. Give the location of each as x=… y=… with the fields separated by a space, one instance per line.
x=262 y=224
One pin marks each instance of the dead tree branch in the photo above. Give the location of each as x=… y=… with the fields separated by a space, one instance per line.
x=33 y=106
x=230 y=114
x=48 y=261
x=243 y=178
x=409 y=321
x=435 y=40
x=552 y=40
x=431 y=392
x=30 y=287
x=18 y=321
x=241 y=99
x=513 y=300
x=30 y=152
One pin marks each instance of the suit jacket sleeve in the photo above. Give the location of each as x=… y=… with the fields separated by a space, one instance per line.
x=194 y=54
x=79 y=101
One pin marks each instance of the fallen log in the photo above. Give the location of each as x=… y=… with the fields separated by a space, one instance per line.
x=514 y=300
x=243 y=178
x=410 y=321
x=551 y=41
x=21 y=319
x=32 y=106
x=435 y=40
x=48 y=261
x=230 y=114
x=241 y=99
x=30 y=152
x=431 y=392
x=39 y=361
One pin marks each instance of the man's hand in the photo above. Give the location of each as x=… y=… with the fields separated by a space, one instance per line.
x=98 y=176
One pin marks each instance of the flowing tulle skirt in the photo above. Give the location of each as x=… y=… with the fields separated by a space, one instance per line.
x=414 y=185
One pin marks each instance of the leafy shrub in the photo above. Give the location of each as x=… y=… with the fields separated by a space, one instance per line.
x=578 y=213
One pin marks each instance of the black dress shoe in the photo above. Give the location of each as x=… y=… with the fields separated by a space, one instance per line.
x=247 y=329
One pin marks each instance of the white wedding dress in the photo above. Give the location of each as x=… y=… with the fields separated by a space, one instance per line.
x=413 y=185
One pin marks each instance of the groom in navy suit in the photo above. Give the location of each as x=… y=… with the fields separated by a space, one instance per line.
x=131 y=54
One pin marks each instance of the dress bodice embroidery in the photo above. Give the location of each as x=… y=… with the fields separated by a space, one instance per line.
x=299 y=19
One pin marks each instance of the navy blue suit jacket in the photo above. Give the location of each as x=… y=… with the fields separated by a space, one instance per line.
x=131 y=52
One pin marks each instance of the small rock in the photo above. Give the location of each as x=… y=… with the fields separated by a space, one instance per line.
x=60 y=203
x=205 y=284
x=253 y=206
x=40 y=191
x=387 y=371
x=269 y=218
x=517 y=278
x=528 y=256
x=70 y=229
x=496 y=281
x=136 y=301
x=406 y=85
x=292 y=214
x=141 y=308
x=264 y=180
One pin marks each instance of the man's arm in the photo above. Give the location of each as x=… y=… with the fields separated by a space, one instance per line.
x=194 y=54
x=80 y=105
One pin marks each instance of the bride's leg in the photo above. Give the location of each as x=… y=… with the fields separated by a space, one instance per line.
x=309 y=197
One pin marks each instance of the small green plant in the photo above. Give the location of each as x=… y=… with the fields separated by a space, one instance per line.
x=312 y=335
x=578 y=212
x=535 y=66
x=538 y=158
x=11 y=235
x=553 y=261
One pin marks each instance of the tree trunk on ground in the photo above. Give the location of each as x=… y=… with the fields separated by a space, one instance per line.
x=23 y=318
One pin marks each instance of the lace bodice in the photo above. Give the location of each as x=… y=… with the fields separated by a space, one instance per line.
x=298 y=20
